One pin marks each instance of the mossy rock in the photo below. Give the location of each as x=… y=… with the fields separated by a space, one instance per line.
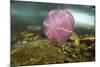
x=40 y=52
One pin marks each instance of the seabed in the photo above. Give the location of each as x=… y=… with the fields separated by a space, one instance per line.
x=31 y=47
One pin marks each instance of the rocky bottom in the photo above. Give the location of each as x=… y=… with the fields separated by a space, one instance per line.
x=32 y=48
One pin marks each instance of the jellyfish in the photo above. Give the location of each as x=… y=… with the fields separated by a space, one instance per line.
x=58 y=25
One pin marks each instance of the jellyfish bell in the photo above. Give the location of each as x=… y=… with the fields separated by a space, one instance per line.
x=58 y=25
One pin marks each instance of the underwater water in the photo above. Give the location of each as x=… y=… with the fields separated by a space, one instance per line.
x=29 y=46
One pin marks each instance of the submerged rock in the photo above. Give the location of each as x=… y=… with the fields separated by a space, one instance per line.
x=37 y=53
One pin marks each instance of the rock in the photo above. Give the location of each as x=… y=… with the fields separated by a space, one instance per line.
x=40 y=54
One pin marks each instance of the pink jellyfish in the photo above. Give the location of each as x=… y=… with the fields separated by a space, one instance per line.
x=58 y=26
